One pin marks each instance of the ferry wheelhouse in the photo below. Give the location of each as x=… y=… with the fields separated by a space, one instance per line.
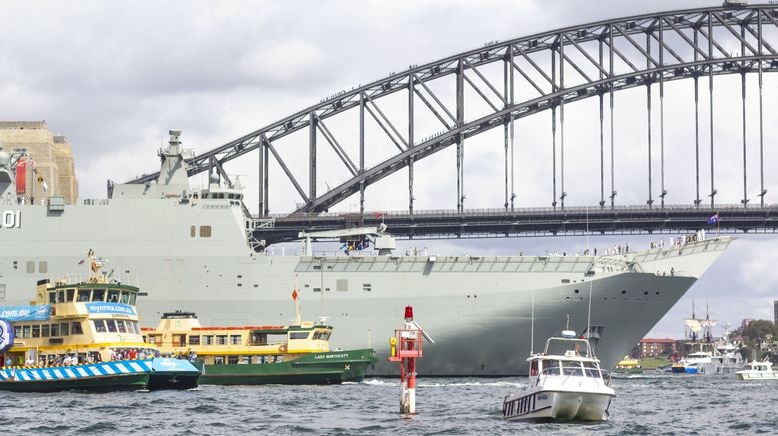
x=84 y=336
x=279 y=354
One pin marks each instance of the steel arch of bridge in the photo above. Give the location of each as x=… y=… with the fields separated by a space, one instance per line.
x=592 y=60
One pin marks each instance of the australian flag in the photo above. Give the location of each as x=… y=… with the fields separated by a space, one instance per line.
x=713 y=219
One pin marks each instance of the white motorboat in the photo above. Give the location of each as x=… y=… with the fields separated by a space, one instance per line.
x=564 y=385
x=757 y=371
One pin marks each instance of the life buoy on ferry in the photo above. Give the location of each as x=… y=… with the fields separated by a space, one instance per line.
x=282 y=348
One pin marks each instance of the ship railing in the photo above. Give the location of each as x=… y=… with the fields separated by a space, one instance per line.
x=263 y=223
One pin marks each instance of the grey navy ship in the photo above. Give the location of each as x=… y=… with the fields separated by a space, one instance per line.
x=192 y=250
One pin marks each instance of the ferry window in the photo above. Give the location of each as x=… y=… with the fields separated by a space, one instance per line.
x=75 y=328
x=207 y=340
x=194 y=340
x=125 y=297
x=18 y=331
x=120 y=326
x=60 y=296
x=84 y=294
x=30 y=267
x=111 y=325
x=100 y=326
x=64 y=329
x=367 y=287
x=133 y=296
x=36 y=331
x=132 y=327
x=54 y=330
x=52 y=297
x=239 y=196
x=232 y=360
x=98 y=295
x=325 y=336
x=235 y=339
x=70 y=294
x=26 y=331
x=113 y=296
x=316 y=289
x=231 y=196
x=245 y=360
x=192 y=231
x=205 y=231
x=218 y=360
x=298 y=335
x=221 y=339
x=45 y=331
x=43 y=267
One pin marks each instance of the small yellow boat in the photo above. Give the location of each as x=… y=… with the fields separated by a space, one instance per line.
x=628 y=365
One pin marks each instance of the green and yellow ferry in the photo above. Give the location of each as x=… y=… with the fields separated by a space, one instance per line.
x=252 y=355
x=83 y=336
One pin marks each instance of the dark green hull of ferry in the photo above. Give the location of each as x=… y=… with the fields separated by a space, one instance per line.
x=108 y=383
x=315 y=368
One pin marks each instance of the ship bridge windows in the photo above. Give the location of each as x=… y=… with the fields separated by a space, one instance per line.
x=551 y=367
x=235 y=340
x=98 y=295
x=76 y=329
x=61 y=296
x=52 y=297
x=221 y=339
x=100 y=326
x=194 y=340
x=70 y=294
x=36 y=331
x=64 y=329
x=111 y=324
x=45 y=331
x=323 y=335
x=125 y=297
x=113 y=295
x=120 y=326
x=298 y=335
x=54 y=330
x=84 y=294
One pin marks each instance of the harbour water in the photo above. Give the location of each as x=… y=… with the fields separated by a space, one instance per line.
x=645 y=404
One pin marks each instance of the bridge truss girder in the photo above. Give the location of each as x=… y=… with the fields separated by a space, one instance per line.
x=560 y=67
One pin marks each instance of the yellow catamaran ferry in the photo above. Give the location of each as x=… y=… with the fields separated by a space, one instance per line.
x=293 y=354
x=83 y=336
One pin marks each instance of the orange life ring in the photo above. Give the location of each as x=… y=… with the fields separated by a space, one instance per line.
x=282 y=348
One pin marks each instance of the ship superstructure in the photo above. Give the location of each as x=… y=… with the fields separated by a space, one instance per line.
x=192 y=250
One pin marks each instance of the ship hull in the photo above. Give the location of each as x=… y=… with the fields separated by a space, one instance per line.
x=477 y=308
x=314 y=368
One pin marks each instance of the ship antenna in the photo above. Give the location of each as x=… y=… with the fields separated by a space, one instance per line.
x=532 y=320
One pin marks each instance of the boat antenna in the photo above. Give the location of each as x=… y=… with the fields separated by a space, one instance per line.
x=589 y=319
x=532 y=320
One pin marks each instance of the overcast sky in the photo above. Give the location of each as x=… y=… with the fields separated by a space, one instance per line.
x=115 y=76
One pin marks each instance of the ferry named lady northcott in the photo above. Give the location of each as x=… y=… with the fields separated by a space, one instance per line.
x=192 y=250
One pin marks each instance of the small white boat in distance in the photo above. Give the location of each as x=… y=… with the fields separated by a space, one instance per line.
x=563 y=385
x=757 y=371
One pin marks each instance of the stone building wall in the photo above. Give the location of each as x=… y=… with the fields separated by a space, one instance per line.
x=52 y=154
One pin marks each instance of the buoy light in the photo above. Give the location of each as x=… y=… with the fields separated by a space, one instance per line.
x=408 y=313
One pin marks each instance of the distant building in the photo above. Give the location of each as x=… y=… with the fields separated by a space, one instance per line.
x=54 y=171
x=657 y=347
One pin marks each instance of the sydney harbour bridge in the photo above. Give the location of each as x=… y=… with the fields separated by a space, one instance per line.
x=495 y=86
